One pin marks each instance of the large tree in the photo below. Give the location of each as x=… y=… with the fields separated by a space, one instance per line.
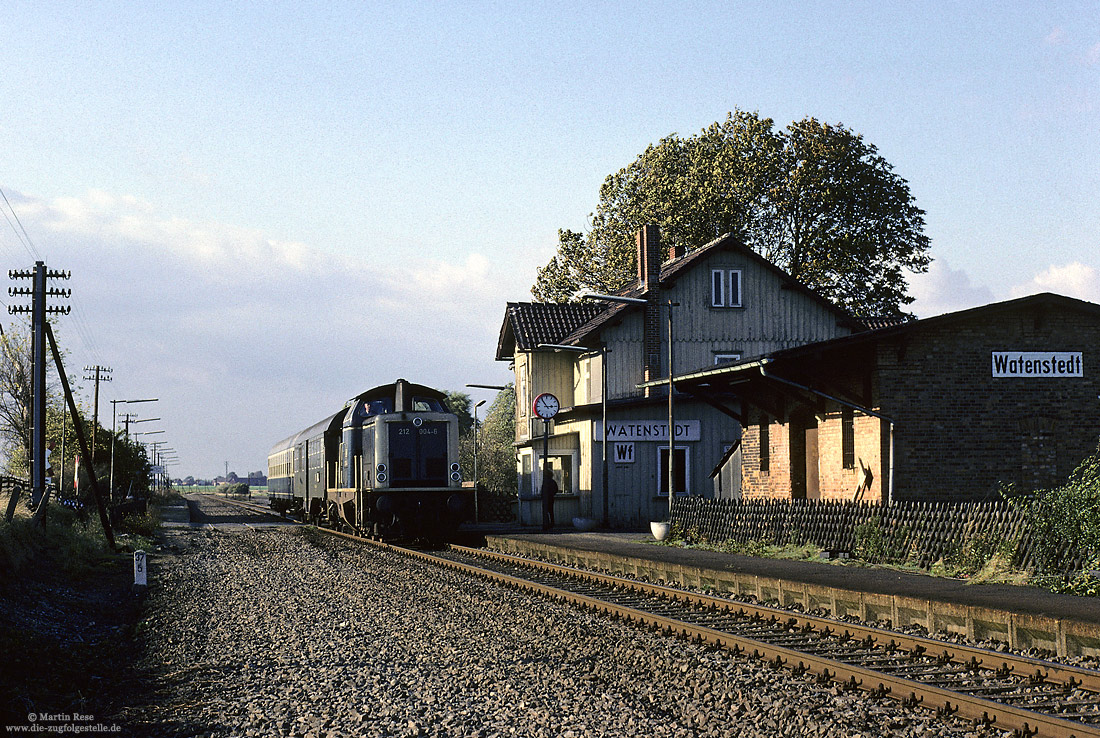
x=815 y=199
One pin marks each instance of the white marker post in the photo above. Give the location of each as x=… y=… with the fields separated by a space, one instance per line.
x=140 y=580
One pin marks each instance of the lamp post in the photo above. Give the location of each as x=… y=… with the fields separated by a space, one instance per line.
x=603 y=395
x=154 y=445
x=477 y=442
x=114 y=432
x=477 y=439
x=671 y=415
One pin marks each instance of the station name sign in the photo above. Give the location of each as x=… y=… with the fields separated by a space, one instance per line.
x=1037 y=364
x=648 y=430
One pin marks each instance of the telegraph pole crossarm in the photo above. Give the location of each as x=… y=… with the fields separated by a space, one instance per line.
x=38 y=310
x=99 y=374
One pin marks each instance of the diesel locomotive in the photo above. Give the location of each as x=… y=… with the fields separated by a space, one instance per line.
x=386 y=465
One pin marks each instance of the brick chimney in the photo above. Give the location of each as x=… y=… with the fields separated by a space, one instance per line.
x=649 y=273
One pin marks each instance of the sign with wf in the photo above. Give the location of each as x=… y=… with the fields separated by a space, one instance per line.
x=624 y=453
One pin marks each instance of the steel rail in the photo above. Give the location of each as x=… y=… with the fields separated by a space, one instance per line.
x=980 y=710
x=971 y=656
x=909 y=692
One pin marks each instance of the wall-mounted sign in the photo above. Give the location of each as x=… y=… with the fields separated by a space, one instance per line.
x=624 y=453
x=1037 y=364
x=648 y=430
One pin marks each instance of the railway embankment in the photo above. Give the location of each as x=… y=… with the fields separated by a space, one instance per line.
x=67 y=617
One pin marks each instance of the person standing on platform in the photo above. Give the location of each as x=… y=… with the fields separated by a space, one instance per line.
x=549 y=489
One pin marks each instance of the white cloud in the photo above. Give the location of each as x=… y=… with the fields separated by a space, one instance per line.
x=246 y=339
x=944 y=290
x=1073 y=280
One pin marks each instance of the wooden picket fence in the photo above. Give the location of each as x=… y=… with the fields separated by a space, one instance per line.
x=919 y=533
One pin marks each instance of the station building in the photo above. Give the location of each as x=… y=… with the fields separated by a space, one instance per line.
x=948 y=407
x=727 y=303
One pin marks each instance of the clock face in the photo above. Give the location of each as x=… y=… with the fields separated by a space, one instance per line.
x=546 y=406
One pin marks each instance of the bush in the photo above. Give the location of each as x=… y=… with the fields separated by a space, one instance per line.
x=1065 y=521
x=238 y=488
x=877 y=543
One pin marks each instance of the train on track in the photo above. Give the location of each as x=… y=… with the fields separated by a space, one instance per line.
x=386 y=466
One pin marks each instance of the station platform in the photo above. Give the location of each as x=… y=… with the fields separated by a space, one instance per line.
x=1022 y=617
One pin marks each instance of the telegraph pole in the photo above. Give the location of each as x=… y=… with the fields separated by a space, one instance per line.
x=100 y=374
x=38 y=310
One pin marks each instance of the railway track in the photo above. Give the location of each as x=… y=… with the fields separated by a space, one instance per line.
x=1024 y=695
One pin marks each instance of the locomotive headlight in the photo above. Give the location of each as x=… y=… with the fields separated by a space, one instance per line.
x=418 y=422
x=455 y=477
x=455 y=467
x=381 y=468
x=381 y=477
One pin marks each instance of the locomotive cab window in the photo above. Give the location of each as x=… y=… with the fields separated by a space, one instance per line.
x=427 y=405
x=381 y=406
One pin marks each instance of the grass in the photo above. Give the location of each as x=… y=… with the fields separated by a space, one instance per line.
x=983 y=562
x=72 y=545
x=67 y=611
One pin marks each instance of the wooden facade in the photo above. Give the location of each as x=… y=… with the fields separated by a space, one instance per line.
x=730 y=304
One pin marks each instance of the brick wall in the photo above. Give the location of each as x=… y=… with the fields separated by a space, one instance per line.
x=958 y=432
x=838 y=483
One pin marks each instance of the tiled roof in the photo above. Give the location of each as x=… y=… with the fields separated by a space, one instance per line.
x=529 y=324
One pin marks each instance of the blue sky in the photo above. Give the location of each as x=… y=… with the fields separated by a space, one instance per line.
x=268 y=207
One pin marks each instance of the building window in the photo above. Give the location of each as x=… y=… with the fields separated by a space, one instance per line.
x=847 y=438
x=726 y=358
x=725 y=288
x=679 y=471
x=765 y=447
x=561 y=469
x=525 y=491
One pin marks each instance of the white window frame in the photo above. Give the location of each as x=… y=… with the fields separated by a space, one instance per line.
x=734 y=277
x=731 y=357
x=722 y=283
x=536 y=470
x=662 y=470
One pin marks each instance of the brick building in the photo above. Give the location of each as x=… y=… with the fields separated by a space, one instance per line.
x=948 y=407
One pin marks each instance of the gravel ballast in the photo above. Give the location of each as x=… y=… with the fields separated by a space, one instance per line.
x=287 y=632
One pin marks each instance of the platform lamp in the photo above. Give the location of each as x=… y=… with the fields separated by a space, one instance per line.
x=477 y=443
x=603 y=393
x=477 y=438
x=114 y=432
x=165 y=457
x=156 y=448
x=154 y=445
x=171 y=458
